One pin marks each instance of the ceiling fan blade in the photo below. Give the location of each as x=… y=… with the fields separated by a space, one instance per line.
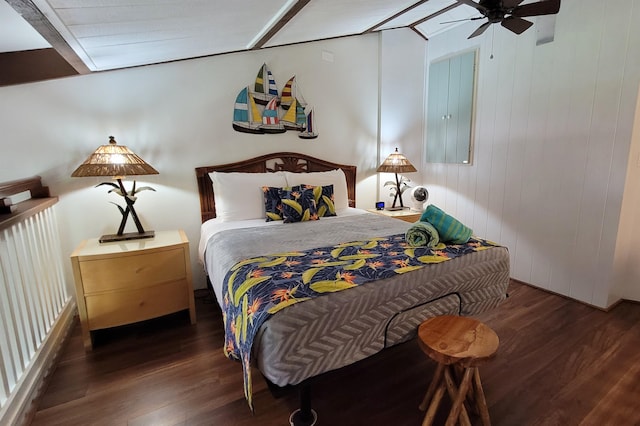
x=482 y=28
x=516 y=25
x=510 y=4
x=547 y=7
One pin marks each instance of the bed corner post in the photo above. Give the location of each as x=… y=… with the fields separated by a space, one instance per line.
x=305 y=415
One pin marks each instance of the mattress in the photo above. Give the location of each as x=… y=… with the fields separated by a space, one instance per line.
x=344 y=327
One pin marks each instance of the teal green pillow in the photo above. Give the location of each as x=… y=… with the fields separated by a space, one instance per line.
x=449 y=228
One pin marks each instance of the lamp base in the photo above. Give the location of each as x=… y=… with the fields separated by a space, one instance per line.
x=393 y=209
x=127 y=236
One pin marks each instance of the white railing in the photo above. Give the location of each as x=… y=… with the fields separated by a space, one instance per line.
x=35 y=307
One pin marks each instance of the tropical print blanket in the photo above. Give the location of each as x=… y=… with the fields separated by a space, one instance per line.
x=256 y=288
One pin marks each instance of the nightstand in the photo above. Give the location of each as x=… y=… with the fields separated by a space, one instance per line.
x=129 y=281
x=407 y=215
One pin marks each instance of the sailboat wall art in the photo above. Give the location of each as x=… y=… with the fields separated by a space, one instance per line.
x=309 y=132
x=290 y=93
x=263 y=110
x=270 y=120
x=247 y=117
x=264 y=88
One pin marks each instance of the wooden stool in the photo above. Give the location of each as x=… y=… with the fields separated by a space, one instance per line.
x=458 y=345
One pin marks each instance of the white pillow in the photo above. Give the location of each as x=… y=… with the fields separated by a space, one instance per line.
x=239 y=196
x=335 y=177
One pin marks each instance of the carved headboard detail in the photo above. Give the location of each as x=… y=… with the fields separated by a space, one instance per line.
x=280 y=161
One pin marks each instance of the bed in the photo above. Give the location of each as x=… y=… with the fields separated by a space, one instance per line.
x=325 y=333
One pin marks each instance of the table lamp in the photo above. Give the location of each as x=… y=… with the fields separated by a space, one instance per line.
x=118 y=161
x=396 y=163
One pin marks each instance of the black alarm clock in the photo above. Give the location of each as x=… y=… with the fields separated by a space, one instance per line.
x=380 y=205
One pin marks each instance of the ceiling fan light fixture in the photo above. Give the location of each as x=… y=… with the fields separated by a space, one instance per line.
x=509 y=13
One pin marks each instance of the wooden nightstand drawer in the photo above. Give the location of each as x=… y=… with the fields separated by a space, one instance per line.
x=131 y=272
x=124 y=307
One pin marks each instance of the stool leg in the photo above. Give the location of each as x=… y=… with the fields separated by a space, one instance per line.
x=453 y=394
x=460 y=397
x=481 y=400
x=470 y=402
x=433 y=407
x=432 y=387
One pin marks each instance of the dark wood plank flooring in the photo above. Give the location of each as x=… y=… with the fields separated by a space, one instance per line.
x=560 y=363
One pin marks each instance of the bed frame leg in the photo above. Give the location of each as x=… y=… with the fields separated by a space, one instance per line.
x=305 y=415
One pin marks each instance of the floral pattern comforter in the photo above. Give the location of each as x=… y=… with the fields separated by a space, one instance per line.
x=258 y=287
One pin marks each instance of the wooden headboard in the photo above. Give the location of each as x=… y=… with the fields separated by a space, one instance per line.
x=279 y=161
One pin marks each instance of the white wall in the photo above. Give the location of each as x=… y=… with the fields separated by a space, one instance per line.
x=177 y=116
x=552 y=137
x=402 y=68
x=626 y=264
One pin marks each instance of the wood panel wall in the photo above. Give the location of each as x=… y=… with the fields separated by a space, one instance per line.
x=552 y=135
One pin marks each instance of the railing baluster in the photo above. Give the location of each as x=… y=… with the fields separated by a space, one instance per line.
x=33 y=293
x=14 y=311
x=7 y=368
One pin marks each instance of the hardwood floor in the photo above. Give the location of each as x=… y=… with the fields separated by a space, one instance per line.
x=559 y=363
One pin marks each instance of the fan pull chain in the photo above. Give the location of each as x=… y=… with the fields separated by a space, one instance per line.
x=493 y=31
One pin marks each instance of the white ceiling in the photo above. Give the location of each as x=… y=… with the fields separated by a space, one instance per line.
x=111 y=34
x=16 y=34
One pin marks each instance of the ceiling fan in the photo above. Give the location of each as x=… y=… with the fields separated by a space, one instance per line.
x=509 y=13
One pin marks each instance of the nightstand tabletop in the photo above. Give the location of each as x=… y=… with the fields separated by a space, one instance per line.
x=392 y=213
x=407 y=215
x=92 y=247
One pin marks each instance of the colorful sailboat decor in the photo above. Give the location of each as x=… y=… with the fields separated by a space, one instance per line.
x=290 y=92
x=270 y=120
x=264 y=111
x=294 y=118
x=246 y=115
x=265 y=87
x=309 y=132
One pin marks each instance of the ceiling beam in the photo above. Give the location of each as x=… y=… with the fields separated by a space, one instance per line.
x=433 y=15
x=27 y=66
x=402 y=12
x=415 y=30
x=28 y=10
x=295 y=9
